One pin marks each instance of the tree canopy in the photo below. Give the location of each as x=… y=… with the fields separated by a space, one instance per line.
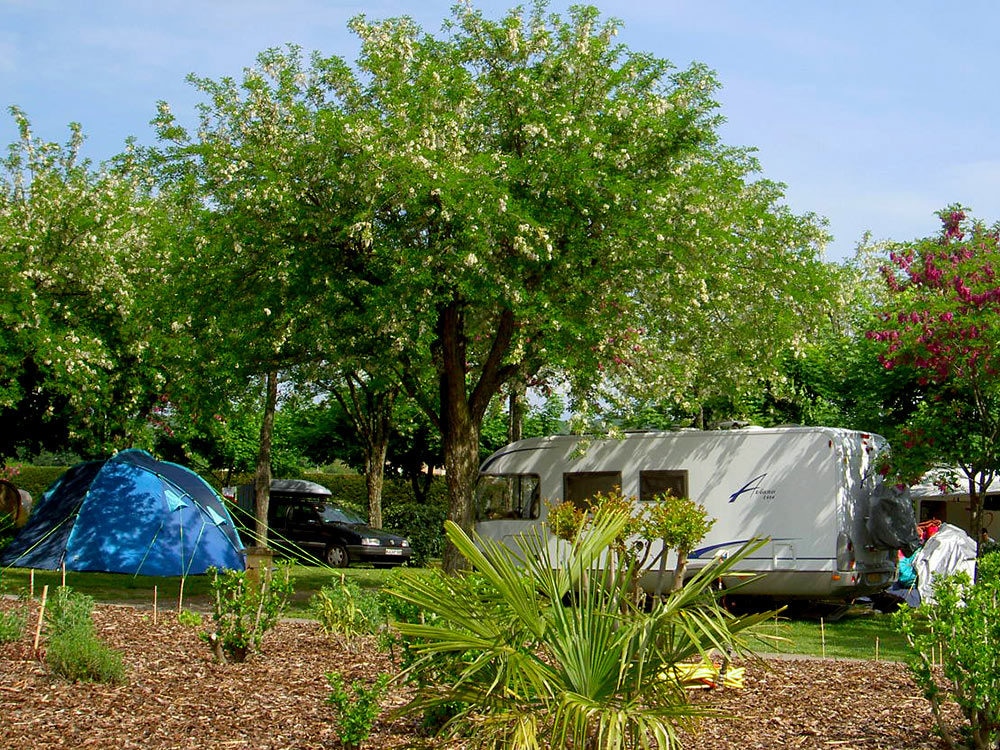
x=508 y=201
x=78 y=360
x=942 y=320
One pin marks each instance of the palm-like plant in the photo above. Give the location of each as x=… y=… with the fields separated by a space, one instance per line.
x=552 y=653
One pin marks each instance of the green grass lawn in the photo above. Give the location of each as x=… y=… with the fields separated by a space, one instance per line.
x=140 y=590
x=861 y=634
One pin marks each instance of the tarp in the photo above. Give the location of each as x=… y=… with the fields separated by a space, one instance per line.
x=128 y=514
x=948 y=551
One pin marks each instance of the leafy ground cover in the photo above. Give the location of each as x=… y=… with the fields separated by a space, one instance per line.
x=176 y=696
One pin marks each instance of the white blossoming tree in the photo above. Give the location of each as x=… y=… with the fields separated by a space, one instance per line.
x=78 y=363
x=535 y=187
x=246 y=263
x=461 y=210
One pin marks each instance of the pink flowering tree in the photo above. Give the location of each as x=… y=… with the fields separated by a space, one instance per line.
x=942 y=319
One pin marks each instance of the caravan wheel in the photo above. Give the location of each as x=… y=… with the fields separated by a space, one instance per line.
x=336 y=556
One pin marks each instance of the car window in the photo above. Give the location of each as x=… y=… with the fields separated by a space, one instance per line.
x=332 y=514
x=300 y=514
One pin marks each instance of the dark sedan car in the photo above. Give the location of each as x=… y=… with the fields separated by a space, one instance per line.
x=336 y=536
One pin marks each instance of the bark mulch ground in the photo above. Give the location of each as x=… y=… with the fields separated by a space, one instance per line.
x=176 y=696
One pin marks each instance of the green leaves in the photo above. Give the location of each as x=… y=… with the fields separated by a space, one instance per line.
x=939 y=320
x=356 y=709
x=542 y=644
x=955 y=634
x=247 y=605
x=77 y=351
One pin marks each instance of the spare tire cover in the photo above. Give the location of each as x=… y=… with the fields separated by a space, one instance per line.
x=891 y=523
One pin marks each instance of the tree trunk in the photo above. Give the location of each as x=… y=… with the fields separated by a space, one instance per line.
x=515 y=412
x=262 y=478
x=374 y=479
x=515 y=430
x=976 y=493
x=370 y=408
x=461 y=467
x=680 y=569
x=459 y=430
x=420 y=483
x=462 y=411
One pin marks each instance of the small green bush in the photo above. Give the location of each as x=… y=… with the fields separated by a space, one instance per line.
x=347 y=609
x=78 y=655
x=961 y=626
x=68 y=610
x=356 y=709
x=74 y=650
x=11 y=626
x=190 y=619
x=245 y=609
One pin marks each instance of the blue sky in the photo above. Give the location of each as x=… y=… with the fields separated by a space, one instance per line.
x=874 y=114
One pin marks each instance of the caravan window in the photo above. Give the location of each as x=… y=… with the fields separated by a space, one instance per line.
x=510 y=496
x=580 y=488
x=653 y=483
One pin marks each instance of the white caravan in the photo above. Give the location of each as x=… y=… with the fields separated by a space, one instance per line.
x=811 y=491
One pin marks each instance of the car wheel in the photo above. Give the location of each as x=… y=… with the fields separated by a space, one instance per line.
x=336 y=556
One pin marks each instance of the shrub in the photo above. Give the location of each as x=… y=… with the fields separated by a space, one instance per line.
x=245 y=609
x=68 y=610
x=422 y=524
x=190 y=619
x=74 y=650
x=11 y=626
x=78 y=655
x=545 y=645
x=36 y=479
x=347 y=609
x=356 y=709
x=960 y=626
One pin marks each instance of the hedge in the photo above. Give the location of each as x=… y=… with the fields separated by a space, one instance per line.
x=36 y=479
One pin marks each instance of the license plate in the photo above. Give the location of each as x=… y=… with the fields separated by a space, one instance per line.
x=392 y=551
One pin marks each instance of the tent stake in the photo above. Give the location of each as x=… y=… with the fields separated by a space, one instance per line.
x=154 y=605
x=180 y=596
x=64 y=574
x=31 y=584
x=41 y=618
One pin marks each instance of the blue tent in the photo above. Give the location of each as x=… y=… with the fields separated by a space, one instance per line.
x=128 y=514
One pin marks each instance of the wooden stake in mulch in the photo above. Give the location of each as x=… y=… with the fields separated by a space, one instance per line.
x=41 y=618
x=31 y=584
x=180 y=596
x=154 y=604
